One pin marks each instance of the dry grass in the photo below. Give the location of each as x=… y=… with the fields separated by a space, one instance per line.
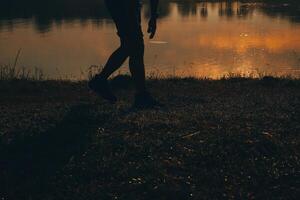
x=234 y=138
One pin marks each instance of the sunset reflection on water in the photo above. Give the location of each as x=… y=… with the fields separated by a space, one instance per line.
x=207 y=39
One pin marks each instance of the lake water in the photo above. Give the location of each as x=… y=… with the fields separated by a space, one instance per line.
x=65 y=37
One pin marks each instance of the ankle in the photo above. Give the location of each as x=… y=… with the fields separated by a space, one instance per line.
x=101 y=77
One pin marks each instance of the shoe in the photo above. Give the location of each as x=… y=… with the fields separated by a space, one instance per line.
x=145 y=100
x=101 y=87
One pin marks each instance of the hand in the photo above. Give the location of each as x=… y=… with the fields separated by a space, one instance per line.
x=152 y=27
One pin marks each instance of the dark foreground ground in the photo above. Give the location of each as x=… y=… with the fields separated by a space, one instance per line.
x=225 y=139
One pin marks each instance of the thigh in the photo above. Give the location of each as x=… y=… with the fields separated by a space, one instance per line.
x=127 y=17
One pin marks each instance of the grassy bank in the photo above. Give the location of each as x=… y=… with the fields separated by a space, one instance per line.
x=216 y=139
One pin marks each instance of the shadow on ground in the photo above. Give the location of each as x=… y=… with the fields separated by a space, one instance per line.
x=27 y=164
x=242 y=142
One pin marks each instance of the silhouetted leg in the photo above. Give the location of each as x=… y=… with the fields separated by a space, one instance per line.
x=99 y=83
x=137 y=67
x=143 y=98
x=114 y=62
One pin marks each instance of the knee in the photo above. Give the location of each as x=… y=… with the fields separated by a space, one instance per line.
x=137 y=48
x=133 y=46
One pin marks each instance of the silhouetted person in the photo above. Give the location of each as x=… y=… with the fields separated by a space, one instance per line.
x=127 y=17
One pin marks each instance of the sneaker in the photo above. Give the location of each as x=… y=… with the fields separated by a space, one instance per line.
x=145 y=100
x=101 y=87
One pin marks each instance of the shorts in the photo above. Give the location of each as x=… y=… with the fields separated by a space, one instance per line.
x=126 y=15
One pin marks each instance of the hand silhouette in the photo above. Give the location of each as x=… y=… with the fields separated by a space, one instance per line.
x=152 y=27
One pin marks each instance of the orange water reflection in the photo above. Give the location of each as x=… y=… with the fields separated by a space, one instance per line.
x=200 y=43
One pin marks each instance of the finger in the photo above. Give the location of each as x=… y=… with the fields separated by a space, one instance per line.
x=150 y=30
x=154 y=31
x=152 y=34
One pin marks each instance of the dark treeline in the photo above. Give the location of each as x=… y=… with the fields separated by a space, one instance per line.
x=56 y=9
x=46 y=12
